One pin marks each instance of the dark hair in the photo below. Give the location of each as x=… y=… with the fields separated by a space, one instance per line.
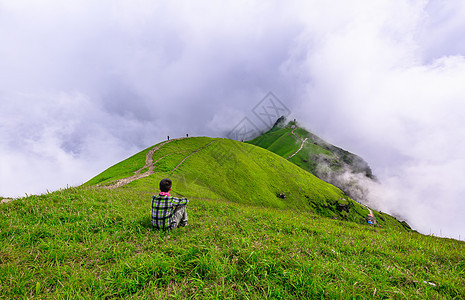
x=165 y=185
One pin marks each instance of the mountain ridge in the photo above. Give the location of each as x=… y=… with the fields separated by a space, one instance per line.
x=324 y=160
x=233 y=161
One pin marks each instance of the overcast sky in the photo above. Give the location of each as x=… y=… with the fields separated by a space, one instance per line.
x=85 y=84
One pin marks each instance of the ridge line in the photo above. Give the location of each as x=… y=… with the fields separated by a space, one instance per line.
x=148 y=164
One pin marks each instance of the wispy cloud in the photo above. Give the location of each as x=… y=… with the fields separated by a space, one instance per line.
x=84 y=84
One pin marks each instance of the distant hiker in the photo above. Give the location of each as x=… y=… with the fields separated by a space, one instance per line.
x=187 y=135
x=168 y=212
x=371 y=220
x=168 y=138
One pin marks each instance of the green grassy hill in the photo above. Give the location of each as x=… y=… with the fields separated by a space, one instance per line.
x=239 y=172
x=242 y=241
x=316 y=156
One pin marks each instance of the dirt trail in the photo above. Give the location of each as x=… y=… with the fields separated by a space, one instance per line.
x=137 y=175
x=5 y=200
x=301 y=146
x=371 y=217
x=150 y=164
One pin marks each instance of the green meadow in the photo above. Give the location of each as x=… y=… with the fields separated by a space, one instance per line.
x=242 y=241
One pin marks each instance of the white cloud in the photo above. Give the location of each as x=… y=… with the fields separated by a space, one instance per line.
x=51 y=140
x=374 y=92
x=84 y=84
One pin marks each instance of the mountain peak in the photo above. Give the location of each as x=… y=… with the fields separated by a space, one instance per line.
x=313 y=154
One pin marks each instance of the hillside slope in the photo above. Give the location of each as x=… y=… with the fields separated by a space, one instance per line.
x=225 y=169
x=96 y=241
x=308 y=151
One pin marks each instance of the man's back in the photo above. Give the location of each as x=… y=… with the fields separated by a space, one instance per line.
x=168 y=212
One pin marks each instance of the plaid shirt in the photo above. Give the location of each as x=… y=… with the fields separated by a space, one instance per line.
x=163 y=208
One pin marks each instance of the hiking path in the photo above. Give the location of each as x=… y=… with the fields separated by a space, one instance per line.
x=150 y=164
x=301 y=146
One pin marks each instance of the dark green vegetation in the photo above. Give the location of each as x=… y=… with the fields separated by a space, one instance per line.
x=242 y=241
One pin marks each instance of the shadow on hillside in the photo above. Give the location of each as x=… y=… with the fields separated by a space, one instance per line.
x=145 y=222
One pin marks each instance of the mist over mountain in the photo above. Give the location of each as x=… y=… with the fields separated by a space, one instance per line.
x=332 y=164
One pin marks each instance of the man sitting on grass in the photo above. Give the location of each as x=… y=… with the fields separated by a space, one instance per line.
x=168 y=212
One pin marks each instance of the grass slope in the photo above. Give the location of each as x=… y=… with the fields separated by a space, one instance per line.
x=332 y=164
x=91 y=242
x=239 y=172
